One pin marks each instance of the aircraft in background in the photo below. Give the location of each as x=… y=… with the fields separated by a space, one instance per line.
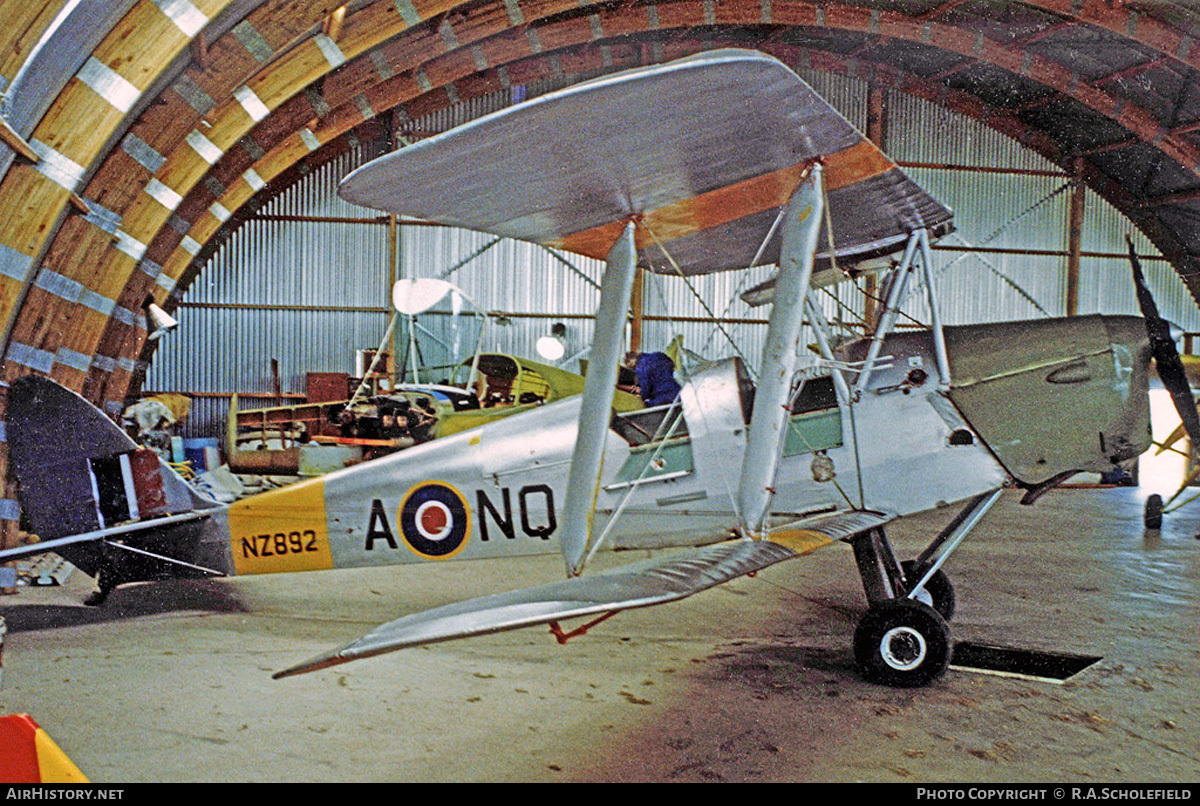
x=397 y=406
x=710 y=163
x=290 y=439
x=1175 y=373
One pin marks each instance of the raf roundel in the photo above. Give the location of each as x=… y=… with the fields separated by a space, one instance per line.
x=434 y=520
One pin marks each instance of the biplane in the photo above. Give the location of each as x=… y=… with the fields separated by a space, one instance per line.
x=711 y=163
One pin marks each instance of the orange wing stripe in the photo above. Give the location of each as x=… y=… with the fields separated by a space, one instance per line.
x=725 y=204
x=855 y=164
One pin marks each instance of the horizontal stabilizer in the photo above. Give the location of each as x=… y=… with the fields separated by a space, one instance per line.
x=57 y=544
x=656 y=581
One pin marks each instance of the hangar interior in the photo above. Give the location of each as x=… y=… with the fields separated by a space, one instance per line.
x=187 y=153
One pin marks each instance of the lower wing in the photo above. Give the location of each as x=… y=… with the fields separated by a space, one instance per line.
x=643 y=584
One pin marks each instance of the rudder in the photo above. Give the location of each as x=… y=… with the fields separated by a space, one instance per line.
x=79 y=472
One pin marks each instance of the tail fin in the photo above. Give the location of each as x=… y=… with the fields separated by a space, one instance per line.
x=79 y=472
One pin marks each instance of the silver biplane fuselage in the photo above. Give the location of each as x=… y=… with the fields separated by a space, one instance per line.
x=822 y=447
x=672 y=476
x=670 y=473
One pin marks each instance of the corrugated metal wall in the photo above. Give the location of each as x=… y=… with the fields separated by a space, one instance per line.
x=310 y=294
x=304 y=294
x=1024 y=208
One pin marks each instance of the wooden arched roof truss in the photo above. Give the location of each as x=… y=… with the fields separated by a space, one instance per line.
x=181 y=112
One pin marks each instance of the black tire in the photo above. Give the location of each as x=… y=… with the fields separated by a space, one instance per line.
x=903 y=644
x=939 y=587
x=1154 y=512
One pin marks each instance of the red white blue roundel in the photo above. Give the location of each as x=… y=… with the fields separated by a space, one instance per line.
x=434 y=520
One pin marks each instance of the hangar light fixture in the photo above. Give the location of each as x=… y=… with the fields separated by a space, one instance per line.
x=551 y=347
x=158 y=321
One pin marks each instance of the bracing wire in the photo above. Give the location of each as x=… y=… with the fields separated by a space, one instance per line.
x=795 y=429
x=762 y=247
x=996 y=233
x=678 y=271
x=554 y=254
x=662 y=439
x=469 y=258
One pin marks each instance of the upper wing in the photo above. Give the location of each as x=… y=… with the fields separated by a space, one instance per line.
x=702 y=151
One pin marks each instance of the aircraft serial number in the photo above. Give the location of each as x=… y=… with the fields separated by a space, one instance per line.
x=279 y=544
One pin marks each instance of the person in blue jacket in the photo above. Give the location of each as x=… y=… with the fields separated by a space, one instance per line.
x=655 y=374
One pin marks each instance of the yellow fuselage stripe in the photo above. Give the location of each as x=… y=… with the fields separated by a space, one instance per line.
x=281 y=530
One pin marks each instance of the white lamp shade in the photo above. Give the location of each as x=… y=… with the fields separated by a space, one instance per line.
x=416 y=296
x=550 y=348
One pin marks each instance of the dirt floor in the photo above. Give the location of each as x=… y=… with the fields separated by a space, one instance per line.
x=753 y=681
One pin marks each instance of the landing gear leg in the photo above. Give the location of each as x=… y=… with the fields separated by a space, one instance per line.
x=902 y=641
x=904 y=638
x=937 y=592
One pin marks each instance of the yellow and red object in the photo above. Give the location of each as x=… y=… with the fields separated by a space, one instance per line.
x=29 y=756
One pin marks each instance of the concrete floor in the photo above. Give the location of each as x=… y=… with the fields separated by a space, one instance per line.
x=753 y=681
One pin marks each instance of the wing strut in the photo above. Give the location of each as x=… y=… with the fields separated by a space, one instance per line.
x=768 y=423
x=583 y=481
x=935 y=320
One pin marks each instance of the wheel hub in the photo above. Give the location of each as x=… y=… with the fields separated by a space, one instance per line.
x=903 y=648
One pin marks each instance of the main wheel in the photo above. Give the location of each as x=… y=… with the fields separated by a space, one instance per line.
x=1154 y=512
x=939 y=589
x=902 y=643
